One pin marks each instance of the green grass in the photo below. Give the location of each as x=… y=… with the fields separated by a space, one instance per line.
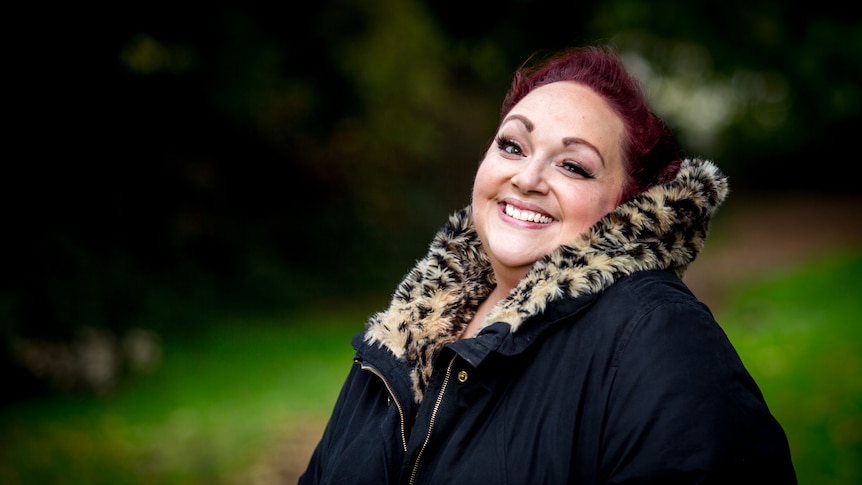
x=800 y=335
x=218 y=404
x=228 y=398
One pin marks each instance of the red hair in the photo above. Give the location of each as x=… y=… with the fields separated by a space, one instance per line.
x=650 y=151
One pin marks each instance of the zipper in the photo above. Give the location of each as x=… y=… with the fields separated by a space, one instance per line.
x=433 y=419
x=376 y=372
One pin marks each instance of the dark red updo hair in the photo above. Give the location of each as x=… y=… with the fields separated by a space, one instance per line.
x=650 y=152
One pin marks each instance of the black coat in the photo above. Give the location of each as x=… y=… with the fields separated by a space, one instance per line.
x=601 y=367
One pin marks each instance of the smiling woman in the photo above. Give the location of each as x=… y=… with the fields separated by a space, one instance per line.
x=558 y=156
x=547 y=336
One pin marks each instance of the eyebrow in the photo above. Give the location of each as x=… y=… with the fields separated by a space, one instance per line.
x=573 y=140
x=567 y=141
x=523 y=119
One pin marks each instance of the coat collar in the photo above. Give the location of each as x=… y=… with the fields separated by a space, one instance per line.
x=663 y=228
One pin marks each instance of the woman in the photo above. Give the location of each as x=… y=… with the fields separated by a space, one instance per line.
x=547 y=336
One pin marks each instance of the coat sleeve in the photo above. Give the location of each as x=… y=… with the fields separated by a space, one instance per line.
x=314 y=472
x=683 y=409
x=361 y=441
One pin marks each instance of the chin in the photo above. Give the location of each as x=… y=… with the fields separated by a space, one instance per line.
x=516 y=261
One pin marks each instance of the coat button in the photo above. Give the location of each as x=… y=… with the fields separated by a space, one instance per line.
x=462 y=376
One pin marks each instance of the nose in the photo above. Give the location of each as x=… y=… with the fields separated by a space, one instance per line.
x=531 y=176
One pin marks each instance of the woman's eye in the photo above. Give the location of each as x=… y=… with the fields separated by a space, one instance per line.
x=508 y=146
x=577 y=169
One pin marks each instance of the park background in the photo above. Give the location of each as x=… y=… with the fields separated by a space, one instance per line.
x=201 y=204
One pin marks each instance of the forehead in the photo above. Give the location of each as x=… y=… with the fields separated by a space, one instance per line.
x=571 y=109
x=564 y=96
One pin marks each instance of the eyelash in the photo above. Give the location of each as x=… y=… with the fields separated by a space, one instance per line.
x=511 y=147
x=577 y=169
x=503 y=144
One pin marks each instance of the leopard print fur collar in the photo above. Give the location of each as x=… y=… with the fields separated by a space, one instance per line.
x=663 y=228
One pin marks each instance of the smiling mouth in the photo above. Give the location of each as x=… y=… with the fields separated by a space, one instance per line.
x=528 y=216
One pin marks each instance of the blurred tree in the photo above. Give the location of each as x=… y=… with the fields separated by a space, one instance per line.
x=779 y=84
x=175 y=160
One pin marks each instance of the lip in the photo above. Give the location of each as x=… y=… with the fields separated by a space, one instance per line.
x=522 y=205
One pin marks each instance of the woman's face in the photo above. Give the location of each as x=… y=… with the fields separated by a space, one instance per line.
x=553 y=171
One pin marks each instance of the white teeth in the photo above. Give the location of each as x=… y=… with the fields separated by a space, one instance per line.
x=524 y=215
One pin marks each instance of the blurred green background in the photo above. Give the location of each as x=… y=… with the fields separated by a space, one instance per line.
x=202 y=204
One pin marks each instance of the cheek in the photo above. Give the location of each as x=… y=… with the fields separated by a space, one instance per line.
x=482 y=181
x=607 y=202
x=587 y=210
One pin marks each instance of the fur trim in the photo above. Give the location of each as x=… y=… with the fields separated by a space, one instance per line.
x=663 y=228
